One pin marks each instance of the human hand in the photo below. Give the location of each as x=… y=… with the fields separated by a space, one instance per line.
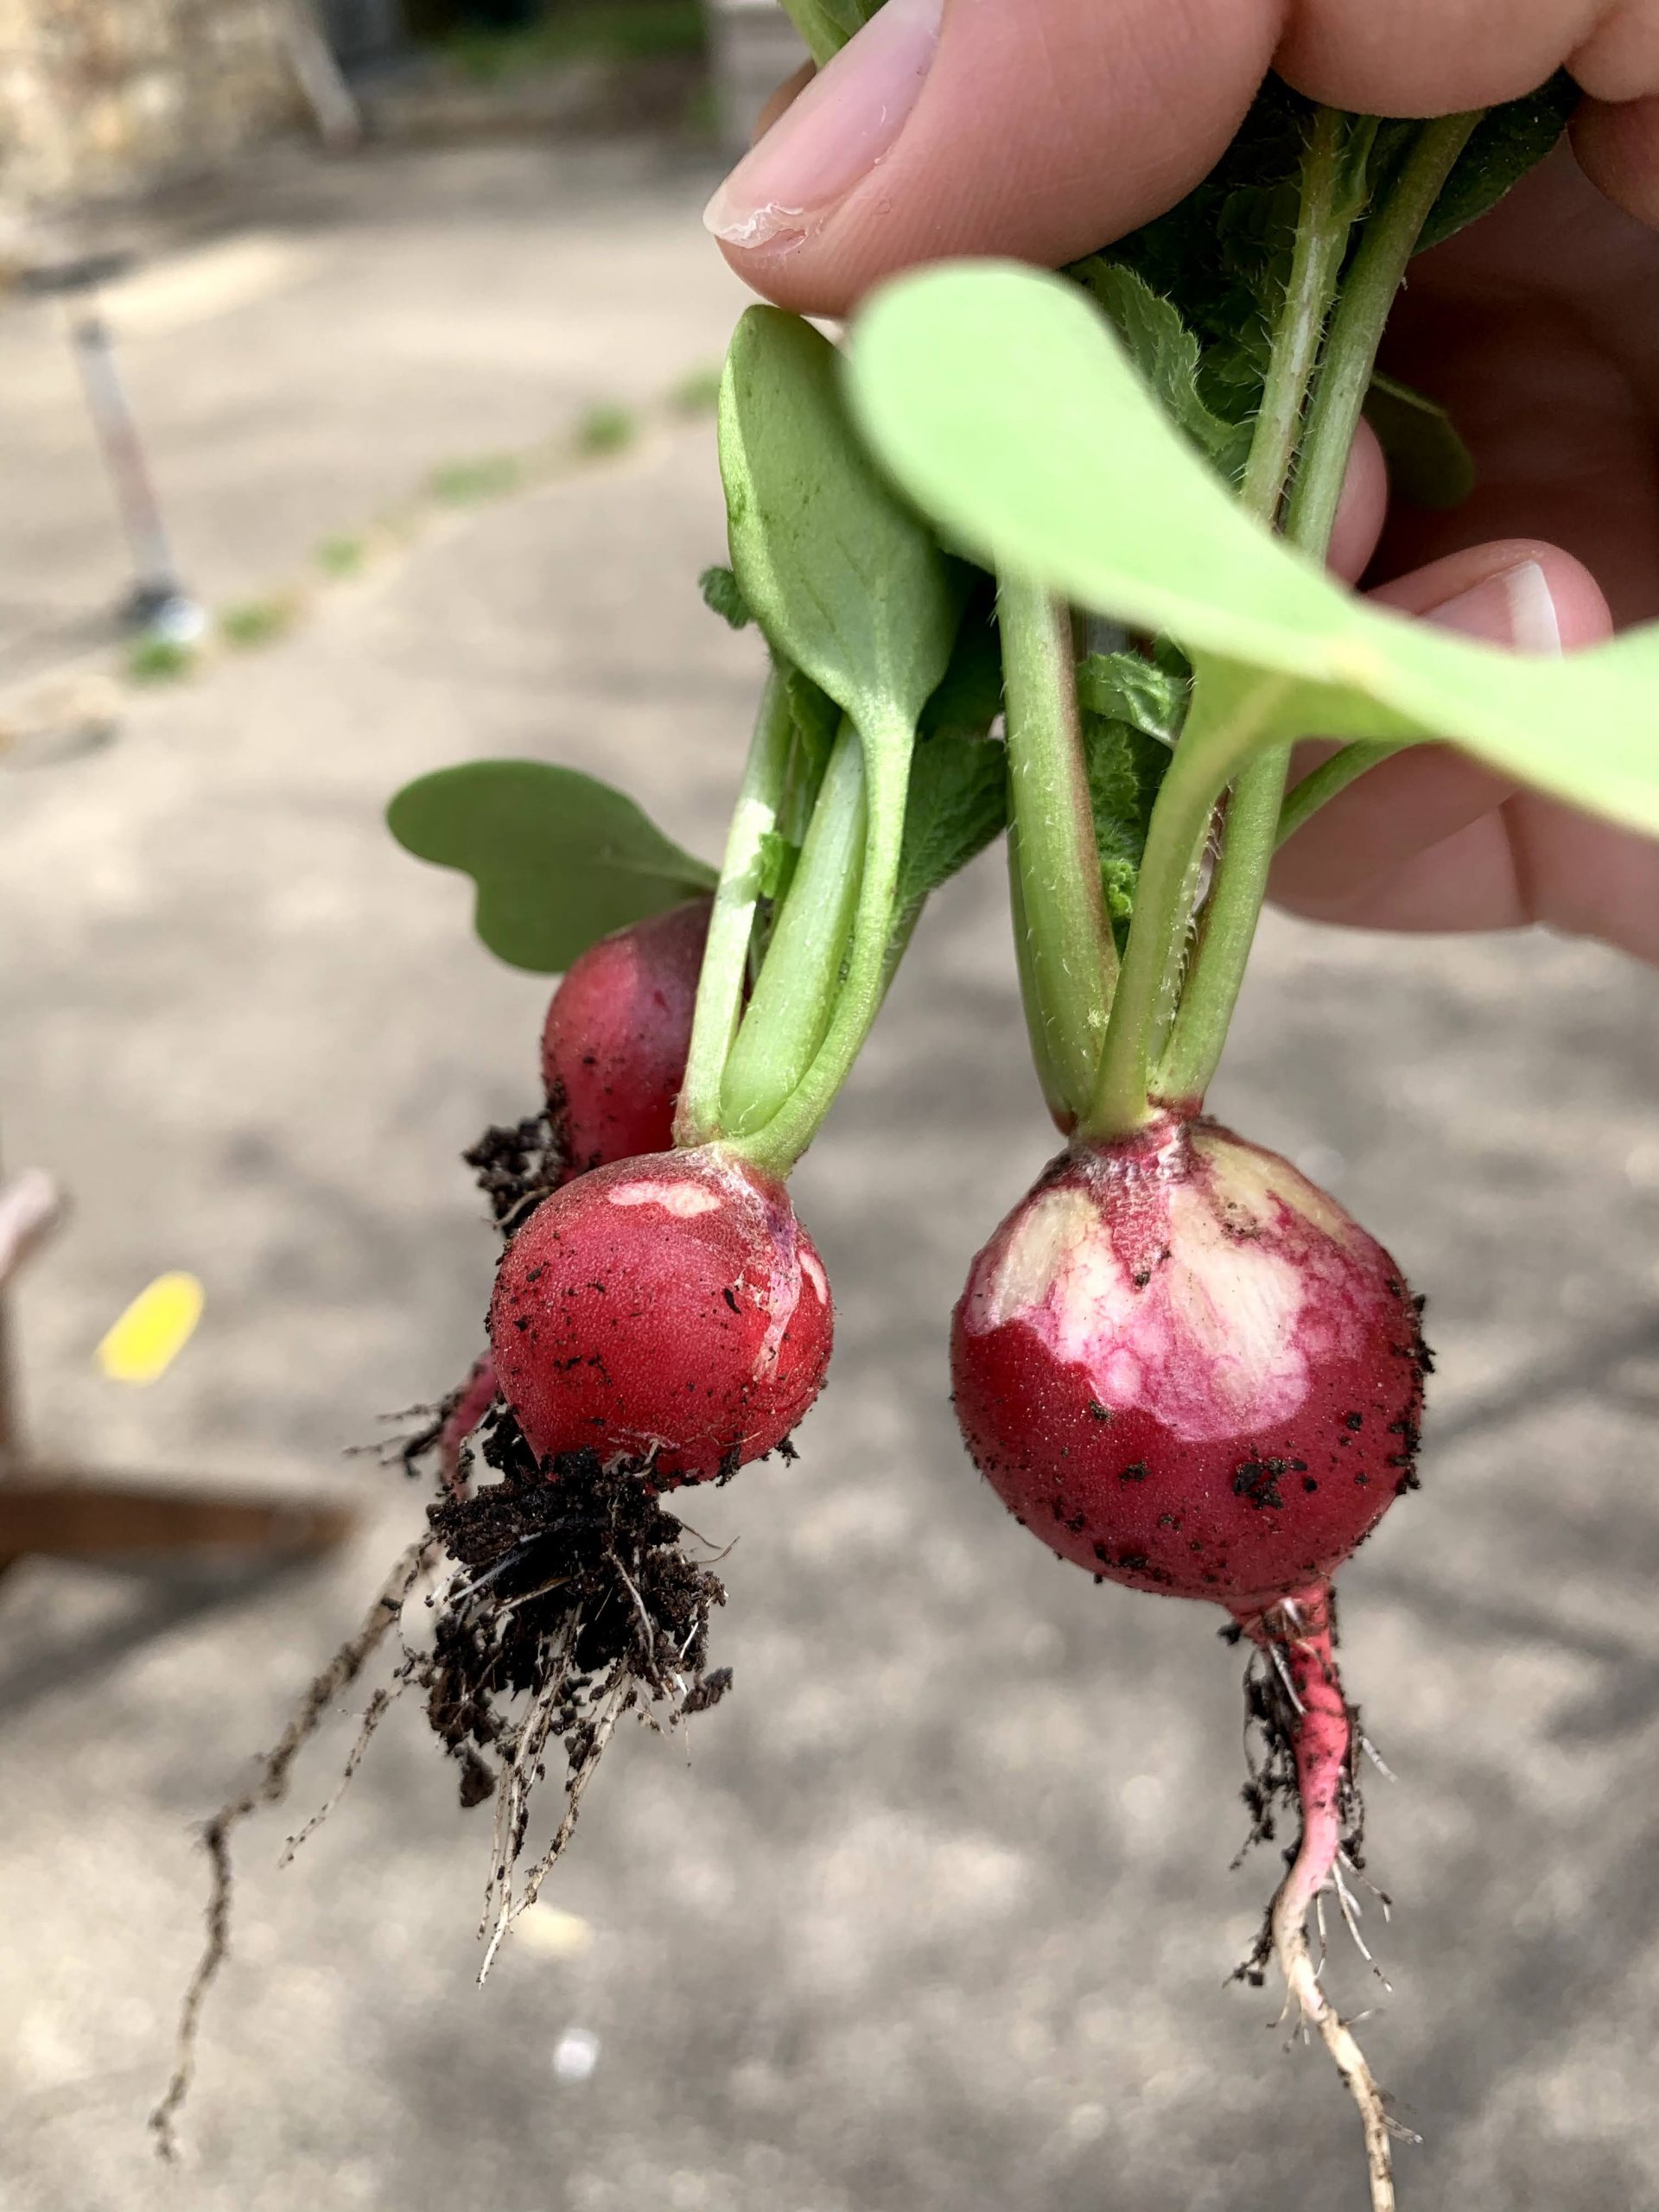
x=1045 y=128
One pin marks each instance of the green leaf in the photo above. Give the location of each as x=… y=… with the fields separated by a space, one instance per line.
x=777 y=868
x=1507 y=142
x=560 y=860
x=1429 y=466
x=1043 y=452
x=959 y=801
x=1128 y=688
x=968 y=695
x=1125 y=767
x=722 y=595
x=1221 y=254
x=826 y=25
x=814 y=713
x=1166 y=354
x=847 y=583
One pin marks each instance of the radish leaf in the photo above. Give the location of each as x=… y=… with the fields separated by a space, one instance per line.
x=723 y=596
x=1429 y=466
x=1166 y=354
x=1044 y=453
x=1127 y=688
x=560 y=860
x=958 y=802
x=845 y=581
x=826 y=25
x=1506 y=143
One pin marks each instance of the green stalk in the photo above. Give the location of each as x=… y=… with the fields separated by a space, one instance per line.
x=887 y=771
x=725 y=960
x=1367 y=296
x=1342 y=380
x=1068 y=961
x=1322 y=233
x=789 y=1008
x=1332 y=776
x=1220 y=725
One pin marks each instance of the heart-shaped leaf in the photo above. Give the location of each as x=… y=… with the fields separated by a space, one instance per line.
x=560 y=860
x=1006 y=408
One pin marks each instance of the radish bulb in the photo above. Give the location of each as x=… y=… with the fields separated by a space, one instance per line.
x=669 y=1310
x=1183 y=1367
x=617 y=1032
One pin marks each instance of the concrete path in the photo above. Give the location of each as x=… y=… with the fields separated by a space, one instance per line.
x=937 y=1916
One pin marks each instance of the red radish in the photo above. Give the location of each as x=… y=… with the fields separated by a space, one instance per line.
x=1184 y=1366
x=668 y=1308
x=473 y=1400
x=615 y=1043
x=1187 y=1369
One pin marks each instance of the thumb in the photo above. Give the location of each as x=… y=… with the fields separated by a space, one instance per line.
x=1037 y=131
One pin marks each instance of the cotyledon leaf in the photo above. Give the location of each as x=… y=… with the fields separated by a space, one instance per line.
x=560 y=859
x=1040 y=449
x=844 y=579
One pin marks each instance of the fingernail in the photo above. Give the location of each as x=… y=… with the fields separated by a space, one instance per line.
x=833 y=135
x=1513 y=607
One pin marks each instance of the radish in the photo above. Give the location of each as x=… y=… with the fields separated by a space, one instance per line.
x=669 y=1311
x=1185 y=1368
x=615 y=1043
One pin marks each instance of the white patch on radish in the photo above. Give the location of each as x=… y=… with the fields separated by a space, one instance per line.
x=815 y=1276
x=684 y=1199
x=1253 y=1181
x=1208 y=1342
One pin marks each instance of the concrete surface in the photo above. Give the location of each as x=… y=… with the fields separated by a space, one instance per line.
x=934 y=1914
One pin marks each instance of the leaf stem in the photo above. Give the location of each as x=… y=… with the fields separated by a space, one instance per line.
x=1368 y=294
x=779 y=1144
x=1322 y=234
x=725 y=960
x=1068 y=962
x=1344 y=767
x=789 y=1007
x=1230 y=707
x=1339 y=385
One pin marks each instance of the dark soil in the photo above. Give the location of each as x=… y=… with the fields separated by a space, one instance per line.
x=516 y=1167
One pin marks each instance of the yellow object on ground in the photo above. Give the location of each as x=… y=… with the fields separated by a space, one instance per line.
x=149 y=1336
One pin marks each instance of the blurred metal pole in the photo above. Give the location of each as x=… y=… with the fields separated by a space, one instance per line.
x=159 y=601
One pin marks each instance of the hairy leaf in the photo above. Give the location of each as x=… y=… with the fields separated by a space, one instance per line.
x=1043 y=452
x=848 y=583
x=1429 y=466
x=1128 y=688
x=1506 y=143
x=560 y=860
x=1166 y=354
x=722 y=594
x=958 y=802
x=1125 y=767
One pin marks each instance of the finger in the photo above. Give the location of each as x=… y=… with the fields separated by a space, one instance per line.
x=1423 y=842
x=1617 y=147
x=1044 y=128
x=1361 y=510
x=1436 y=57
x=1038 y=130
x=1537 y=328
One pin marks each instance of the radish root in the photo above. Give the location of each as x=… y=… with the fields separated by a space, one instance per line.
x=270 y=1787
x=1298 y=1637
